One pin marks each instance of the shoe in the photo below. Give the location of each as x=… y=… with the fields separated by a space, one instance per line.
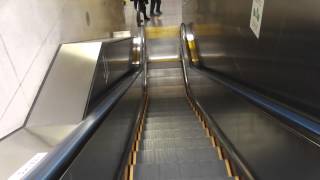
x=147 y=18
x=159 y=13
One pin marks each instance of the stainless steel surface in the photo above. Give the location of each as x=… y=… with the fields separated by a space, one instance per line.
x=302 y=123
x=173 y=144
x=105 y=148
x=270 y=148
x=55 y=163
x=63 y=97
x=282 y=63
x=114 y=62
x=163 y=48
x=243 y=124
x=111 y=141
x=187 y=53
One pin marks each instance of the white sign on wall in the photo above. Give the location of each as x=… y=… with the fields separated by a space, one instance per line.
x=256 y=16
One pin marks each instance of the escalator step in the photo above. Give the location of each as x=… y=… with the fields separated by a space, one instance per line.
x=185 y=171
x=165 y=72
x=168 y=108
x=165 y=81
x=173 y=133
x=170 y=113
x=170 y=92
x=169 y=105
x=178 y=155
x=191 y=143
x=171 y=119
x=172 y=125
x=164 y=102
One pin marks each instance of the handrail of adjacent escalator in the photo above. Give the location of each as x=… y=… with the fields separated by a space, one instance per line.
x=58 y=160
x=266 y=103
x=233 y=153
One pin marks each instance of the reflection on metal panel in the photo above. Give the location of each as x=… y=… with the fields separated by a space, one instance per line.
x=109 y=142
x=64 y=95
x=270 y=149
x=283 y=62
x=113 y=63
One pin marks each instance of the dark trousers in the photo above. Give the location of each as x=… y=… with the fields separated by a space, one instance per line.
x=155 y=3
x=142 y=6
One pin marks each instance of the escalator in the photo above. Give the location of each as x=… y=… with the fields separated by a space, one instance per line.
x=173 y=119
x=174 y=143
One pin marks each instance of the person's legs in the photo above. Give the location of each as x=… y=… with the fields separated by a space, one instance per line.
x=143 y=10
x=152 y=6
x=145 y=15
x=158 y=6
x=135 y=3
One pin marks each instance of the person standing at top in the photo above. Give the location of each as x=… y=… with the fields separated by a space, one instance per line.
x=142 y=7
x=157 y=4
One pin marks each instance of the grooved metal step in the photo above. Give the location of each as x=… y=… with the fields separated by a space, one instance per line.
x=170 y=119
x=165 y=72
x=180 y=100
x=170 y=113
x=176 y=155
x=185 y=171
x=168 y=108
x=174 y=145
x=165 y=81
x=172 y=125
x=174 y=133
x=158 y=103
x=167 y=143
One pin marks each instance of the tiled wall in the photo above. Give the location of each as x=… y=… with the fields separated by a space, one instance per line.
x=30 y=32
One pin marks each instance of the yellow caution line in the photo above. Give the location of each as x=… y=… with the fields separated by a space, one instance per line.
x=173 y=31
x=164 y=60
x=162 y=32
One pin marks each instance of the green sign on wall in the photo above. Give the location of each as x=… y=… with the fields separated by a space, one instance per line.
x=256 y=16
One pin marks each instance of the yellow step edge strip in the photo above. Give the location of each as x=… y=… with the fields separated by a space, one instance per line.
x=131 y=172
x=228 y=167
x=162 y=32
x=164 y=60
x=135 y=147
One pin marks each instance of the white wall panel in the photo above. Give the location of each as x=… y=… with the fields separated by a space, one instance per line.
x=20 y=36
x=36 y=73
x=15 y=115
x=31 y=31
x=8 y=80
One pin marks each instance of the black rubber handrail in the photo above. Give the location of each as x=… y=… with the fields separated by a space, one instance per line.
x=228 y=146
x=59 y=159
